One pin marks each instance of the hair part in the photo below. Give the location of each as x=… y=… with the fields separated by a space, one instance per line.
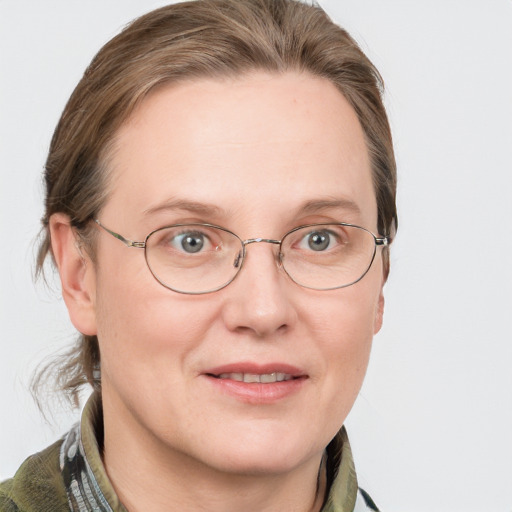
x=179 y=43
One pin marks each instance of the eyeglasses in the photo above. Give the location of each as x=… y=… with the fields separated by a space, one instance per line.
x=204 y=258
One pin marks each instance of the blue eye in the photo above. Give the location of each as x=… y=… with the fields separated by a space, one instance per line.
x=319 y=240
x=191 y=242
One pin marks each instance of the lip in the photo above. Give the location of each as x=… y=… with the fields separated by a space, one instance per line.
x=249 y=367
x=256 y=392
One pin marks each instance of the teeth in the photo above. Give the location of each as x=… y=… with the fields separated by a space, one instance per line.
x=264 y=378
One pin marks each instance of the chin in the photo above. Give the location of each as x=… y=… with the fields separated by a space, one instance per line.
x=264 y=455
x=260 y=464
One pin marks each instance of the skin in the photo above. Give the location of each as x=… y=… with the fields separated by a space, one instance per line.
x=257 y=148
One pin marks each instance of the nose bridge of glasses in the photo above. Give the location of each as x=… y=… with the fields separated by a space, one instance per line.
x=258 y=240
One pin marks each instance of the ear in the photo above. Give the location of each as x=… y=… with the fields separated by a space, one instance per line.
x=77 y=274
x=379 y=311
x=379 y=306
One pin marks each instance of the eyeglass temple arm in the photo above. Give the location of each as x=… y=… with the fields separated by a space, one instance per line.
x=382 y=241
x=128 y=243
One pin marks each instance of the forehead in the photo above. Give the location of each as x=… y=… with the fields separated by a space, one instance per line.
x=260 y=143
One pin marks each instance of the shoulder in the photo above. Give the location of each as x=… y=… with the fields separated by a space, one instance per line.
x=37 y=486
x=6 y=503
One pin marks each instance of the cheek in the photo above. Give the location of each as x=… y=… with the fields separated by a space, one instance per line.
x=343 y=325
x=346 y=318
x=142 y=326
x=348 y=339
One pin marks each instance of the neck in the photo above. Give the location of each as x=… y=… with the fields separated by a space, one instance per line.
x=148 y=475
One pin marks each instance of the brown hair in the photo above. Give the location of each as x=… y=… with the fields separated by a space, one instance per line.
x=184 y=41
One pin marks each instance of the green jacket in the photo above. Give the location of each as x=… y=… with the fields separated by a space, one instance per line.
x=69 y=475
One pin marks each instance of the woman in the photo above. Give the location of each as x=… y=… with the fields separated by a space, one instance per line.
x=220 y=200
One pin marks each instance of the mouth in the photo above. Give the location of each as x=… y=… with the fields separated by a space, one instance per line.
x=265 y=378
x=256 y=383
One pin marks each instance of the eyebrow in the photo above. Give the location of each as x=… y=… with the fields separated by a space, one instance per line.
x=183 y=204
x=317 y=205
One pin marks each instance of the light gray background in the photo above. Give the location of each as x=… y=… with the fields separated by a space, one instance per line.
x=432 y=429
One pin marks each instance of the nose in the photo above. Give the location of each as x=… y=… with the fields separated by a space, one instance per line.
x=260 y=300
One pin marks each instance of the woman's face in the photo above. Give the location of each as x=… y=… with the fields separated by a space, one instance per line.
x=258 y=155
